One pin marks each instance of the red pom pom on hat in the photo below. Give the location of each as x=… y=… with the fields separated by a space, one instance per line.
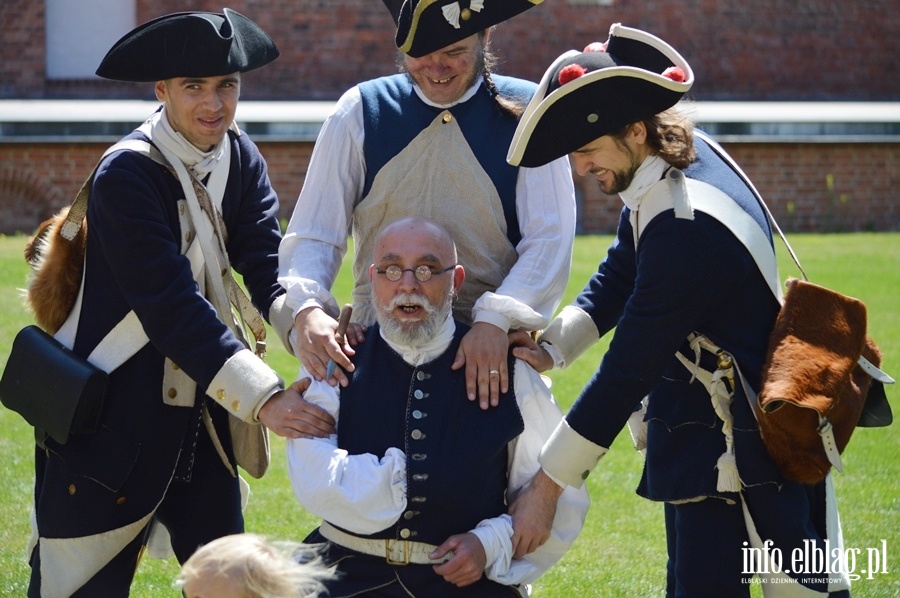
x=595 y=47
x=675 y=73
x=570 y=73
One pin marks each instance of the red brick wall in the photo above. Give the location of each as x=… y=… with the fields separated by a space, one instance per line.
x=21 y=48
x=287 y=170
x=809 y=187
x=761 y=50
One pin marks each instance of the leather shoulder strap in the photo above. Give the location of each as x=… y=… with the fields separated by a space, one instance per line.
x=78 y=209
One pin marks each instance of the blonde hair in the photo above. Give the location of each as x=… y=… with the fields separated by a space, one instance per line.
x=264 y=569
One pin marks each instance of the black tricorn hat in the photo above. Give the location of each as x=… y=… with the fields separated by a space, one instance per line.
x=589 y=94
x=189 y=44
x=424 y=26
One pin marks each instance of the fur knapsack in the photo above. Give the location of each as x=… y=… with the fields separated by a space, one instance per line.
x=57 y=264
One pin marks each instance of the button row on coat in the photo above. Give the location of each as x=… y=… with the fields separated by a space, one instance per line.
x=417 y=434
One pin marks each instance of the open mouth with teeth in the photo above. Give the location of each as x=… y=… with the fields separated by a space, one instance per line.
x=411 y=309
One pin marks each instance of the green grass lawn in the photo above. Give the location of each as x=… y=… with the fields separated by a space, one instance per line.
x=621 y=551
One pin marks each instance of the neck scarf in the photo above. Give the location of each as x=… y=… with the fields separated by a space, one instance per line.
x=647 y=175
x=215 y=163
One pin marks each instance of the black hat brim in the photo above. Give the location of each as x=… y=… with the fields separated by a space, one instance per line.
x=563 y=118
x=422 y=27
x=189 y=44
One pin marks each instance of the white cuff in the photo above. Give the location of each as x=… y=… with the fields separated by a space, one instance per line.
x=493 y=317
x=282 y=321
x=514 y=312
x=569 y=457
x=243 y=384
x=555 y=354
x=495 y=535
x=329 y=307
x=571 y=333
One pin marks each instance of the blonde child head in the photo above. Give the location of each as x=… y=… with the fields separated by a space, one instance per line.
x=249 y=566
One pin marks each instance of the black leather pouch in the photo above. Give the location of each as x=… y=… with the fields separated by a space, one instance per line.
x=55 y=390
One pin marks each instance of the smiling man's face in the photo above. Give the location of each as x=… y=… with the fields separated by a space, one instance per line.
x=446 y=74
x=409 y=310
x=201 y=108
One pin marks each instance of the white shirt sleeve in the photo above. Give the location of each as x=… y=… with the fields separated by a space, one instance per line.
x=360 y=493
x=541 y=415
x=533 y=289
x=365 y=494
x=312 y=249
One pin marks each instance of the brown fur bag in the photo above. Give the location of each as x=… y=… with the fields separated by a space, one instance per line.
x=56 y=253
x=57 y=265
x=811 y=371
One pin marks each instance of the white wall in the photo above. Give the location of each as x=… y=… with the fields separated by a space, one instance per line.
x=81 y=32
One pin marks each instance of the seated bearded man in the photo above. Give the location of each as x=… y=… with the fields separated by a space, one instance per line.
x=413 y=488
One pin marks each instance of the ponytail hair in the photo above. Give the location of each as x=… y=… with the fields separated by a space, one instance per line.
x=510 y=106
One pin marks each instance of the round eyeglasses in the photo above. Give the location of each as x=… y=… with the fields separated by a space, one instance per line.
x=422 y=273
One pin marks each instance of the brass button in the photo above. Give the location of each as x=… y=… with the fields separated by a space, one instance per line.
x=417 y=435
x=72 y=488
x=235 y=405
x=465 y=14
x=121 y=500
x=172 y=393
x=189 y=236
x=181 y=209
x=175 y=366
x=419 y=394
x=405 y=533
x=447 y=117
x=409 y=515
x=220 y=394
x=417 y=414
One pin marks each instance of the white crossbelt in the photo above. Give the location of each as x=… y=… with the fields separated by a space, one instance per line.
x=395 y=552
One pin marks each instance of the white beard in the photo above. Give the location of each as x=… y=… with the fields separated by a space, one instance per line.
x=415 y=333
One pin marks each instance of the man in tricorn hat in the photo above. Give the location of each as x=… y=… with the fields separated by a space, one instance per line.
x=401 y=145
x=691 y=287
x=172 y=207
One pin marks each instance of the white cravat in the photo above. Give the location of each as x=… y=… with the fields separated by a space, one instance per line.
x=200 y=164
x=647 y=175
x=430 y=350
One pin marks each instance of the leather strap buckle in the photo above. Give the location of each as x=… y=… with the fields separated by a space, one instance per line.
x=389 y=553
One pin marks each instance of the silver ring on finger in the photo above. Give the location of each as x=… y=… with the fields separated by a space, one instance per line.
x=494 y=373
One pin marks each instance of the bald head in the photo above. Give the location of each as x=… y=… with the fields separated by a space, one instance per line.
x=426 y=235
x=414 y=274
